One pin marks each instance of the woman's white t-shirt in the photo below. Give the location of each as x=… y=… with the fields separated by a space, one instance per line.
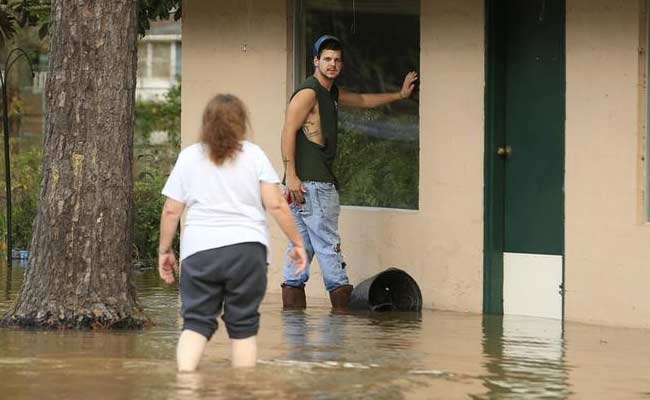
x=223 y=202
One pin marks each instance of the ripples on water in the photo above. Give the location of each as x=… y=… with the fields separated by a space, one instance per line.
x=317 y=354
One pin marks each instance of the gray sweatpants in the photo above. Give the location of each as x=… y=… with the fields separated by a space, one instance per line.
x=232 y=278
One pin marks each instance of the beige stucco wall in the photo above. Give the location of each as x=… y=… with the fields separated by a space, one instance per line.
x=607 y=245
x=215 y=35
x=441 y=244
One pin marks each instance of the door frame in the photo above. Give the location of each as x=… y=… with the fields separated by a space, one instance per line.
x=494 y=167
x=494 y=171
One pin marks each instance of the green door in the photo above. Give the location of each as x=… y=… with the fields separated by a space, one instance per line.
x=524 y=155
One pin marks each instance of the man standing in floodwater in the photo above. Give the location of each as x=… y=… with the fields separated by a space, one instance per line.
x=309 y=139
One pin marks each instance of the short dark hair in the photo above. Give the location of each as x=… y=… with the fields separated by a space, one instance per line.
x=330 y=45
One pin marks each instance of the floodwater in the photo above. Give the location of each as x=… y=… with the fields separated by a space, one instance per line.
x=316 y=354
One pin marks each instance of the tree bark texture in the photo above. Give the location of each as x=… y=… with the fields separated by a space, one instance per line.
x=79 y=273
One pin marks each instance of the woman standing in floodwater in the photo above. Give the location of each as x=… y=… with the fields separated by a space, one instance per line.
x=224 y=183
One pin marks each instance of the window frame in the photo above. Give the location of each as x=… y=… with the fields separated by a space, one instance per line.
x=172 y=42
x=645 y=111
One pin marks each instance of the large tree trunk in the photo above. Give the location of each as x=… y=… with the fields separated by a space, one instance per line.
x=79 y=273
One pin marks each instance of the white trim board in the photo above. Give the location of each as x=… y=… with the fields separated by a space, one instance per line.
x=531 y=285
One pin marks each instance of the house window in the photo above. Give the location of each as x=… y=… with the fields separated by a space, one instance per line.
x=159 y=66
x=178 y=60
x=161 y=58
x=378 y=154
x=143 y=60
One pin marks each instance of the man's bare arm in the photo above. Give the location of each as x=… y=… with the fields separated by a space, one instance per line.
x=297 y=112
x=371 y=100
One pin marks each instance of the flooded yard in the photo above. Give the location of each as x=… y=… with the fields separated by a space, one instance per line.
x=317 y=354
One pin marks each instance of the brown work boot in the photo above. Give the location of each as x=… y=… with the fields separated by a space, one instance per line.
x=293 y=296
x=340 y=296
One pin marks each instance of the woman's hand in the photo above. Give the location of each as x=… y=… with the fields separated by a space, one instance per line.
x=299 y=258
x=167 y=266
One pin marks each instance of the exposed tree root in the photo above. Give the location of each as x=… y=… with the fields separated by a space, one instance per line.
x=77 y=320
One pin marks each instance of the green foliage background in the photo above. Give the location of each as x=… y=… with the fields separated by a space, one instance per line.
x=377 y=172
x=152 y=164
x=26 y=167
x=162 y=115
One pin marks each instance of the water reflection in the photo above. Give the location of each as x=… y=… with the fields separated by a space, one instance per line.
x=524 y=356
x=7 y=281
x=12 y=278
x=323 y=337
x=318 y=354
x=319 y=338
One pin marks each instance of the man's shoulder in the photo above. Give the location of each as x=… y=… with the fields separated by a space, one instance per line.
x=309 y=85
x=305 y=93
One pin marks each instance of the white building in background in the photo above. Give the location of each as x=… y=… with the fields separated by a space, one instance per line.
x=159 y=69
x=159 y=60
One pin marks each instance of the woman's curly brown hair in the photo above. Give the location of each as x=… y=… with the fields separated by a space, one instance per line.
x=224 y=126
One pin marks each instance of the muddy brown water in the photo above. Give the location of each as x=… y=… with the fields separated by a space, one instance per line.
x=316 y=354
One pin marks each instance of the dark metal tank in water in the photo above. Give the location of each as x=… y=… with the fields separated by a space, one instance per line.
x=390 y=290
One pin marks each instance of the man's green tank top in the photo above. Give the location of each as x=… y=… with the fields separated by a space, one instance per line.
x=313 y=161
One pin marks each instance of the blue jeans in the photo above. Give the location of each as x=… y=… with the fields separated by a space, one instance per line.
x=318 y=222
